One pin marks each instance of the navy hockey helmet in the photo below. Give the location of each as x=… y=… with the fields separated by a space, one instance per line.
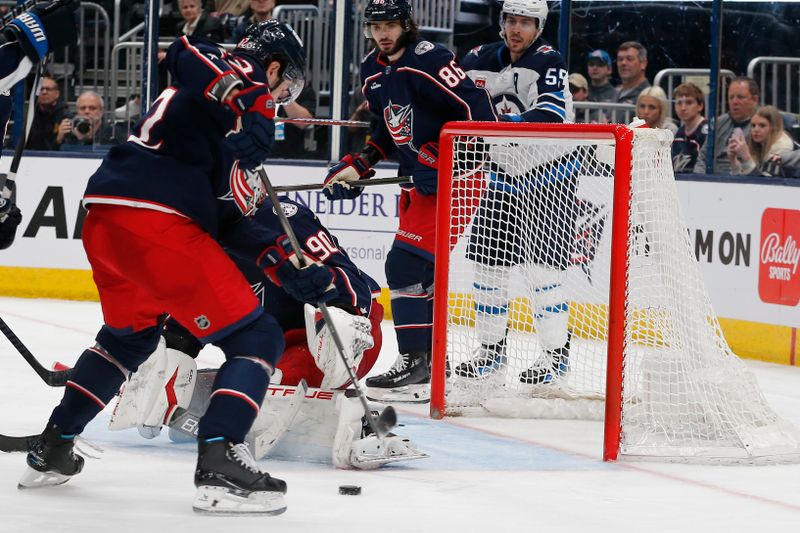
x=272 y=40
x=383 y=10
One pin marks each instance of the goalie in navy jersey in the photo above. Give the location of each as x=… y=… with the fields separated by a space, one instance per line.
x=525 y=215
x=328 y=424
x=412 y=87
x=160 y=208
x=25 y=40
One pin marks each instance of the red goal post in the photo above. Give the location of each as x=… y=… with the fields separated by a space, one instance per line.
x=647 y=354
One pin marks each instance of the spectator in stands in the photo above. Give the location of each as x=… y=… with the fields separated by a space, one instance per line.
x=631 y=65
x=47 y=115
x=743 y=98
x=292 y=145
x=260 y=10
x=579 y=87
x=87 y=128
x=691 y=135
x=767 y=143
x=197 y=22
x=599 y=68
x=652 y=106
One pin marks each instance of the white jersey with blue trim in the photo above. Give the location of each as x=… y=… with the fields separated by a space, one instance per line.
x=534 y=87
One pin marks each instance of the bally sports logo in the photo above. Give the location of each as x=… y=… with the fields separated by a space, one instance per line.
x=778 y=276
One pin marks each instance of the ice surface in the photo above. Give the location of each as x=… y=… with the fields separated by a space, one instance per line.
x=484 y=474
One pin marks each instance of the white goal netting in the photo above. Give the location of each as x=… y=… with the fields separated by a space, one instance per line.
x=529 y=271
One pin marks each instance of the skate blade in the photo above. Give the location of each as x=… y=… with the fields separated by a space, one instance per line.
x=223 y=501
x=33 y=479
x=406 y=394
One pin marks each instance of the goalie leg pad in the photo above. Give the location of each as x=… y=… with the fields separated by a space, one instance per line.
x=355 y=334
x=491 y=302
x=551 y=311
x=162 y=384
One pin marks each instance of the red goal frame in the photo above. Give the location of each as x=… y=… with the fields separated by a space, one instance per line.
x=623 y=137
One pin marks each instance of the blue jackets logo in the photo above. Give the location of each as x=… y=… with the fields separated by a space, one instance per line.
x=400 y=122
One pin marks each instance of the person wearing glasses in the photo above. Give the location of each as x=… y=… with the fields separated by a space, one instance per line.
x=50 y=110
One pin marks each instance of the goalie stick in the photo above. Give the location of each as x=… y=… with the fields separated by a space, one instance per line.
x=400 y=180
x=53 y=378
x=9 y=444
x=382 y=424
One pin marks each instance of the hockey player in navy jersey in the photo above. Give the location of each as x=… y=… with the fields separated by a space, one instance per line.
x=413 y=87
x=24 y=41
x=160 y=207
x=328 y=424
x=520 y=222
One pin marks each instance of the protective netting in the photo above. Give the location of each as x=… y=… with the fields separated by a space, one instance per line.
x=530 y=231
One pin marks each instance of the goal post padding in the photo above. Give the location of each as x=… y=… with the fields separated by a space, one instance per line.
x=591 y=209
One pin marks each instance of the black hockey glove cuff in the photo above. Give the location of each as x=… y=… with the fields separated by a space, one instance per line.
x=8 y=226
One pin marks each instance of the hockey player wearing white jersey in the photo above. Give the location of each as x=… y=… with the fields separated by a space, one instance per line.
x=527 y=80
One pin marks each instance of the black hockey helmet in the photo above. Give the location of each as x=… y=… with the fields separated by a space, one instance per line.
x=272 y=40
x=383 y=10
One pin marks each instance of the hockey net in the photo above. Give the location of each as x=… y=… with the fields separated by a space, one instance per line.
x=564 y=268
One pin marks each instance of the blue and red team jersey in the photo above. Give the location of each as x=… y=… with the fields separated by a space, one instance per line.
x=415 y=96
x=176 y=161
x=356 y=289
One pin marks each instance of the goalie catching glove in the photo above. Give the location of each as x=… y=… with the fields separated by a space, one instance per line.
x=311 y=283
x=354 y=331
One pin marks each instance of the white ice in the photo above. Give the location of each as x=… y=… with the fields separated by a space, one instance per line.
x=488 y=475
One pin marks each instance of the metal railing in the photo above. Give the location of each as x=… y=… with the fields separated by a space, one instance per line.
x=669 y=78
x=603 y=113
x=779 y=81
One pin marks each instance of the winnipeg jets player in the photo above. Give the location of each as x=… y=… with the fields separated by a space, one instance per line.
x=527 y=80
x=24 y=41
x=413 y=87
x=160 y=207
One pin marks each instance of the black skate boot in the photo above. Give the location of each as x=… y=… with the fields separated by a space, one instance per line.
x=409 y=380
x=488 y=359
x=52 y=460
x=548 y=368
x=229 y=481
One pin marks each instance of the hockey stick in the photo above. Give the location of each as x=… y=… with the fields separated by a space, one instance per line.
x=10 y=444
x=382 y=424
x=360 y=183
x=53 y=378
x=325 y=122
x=7 y=181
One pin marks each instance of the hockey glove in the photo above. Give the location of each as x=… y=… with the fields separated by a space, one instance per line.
x=311 y=284
x=255 y=99
x=351 y=168
x=8 y=226
x=44 y=28
x=426 y=171
x=253 y=143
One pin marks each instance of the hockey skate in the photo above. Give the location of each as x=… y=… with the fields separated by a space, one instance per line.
x=409 y=380
x=488 y=359
x=552 y=365
x=229 y=481
x=51 y=461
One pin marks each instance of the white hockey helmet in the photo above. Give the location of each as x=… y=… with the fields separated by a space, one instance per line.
x=536 y=9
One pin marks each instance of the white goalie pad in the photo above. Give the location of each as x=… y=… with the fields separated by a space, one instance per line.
x=324 y=426
x=355 y=334
x=151 y=395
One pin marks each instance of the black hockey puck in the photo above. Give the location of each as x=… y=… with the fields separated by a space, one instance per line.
x=349 y=490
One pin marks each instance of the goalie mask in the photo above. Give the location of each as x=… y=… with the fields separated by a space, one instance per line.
x=535 y=9
x=276 y=41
